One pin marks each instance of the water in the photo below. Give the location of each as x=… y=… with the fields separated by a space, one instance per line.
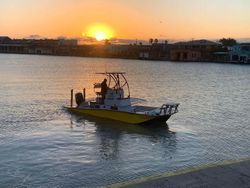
x=41 y=145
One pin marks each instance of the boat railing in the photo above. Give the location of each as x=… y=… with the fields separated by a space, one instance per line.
x=169 y=109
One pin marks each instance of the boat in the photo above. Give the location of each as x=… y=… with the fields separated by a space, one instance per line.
x=116 y=103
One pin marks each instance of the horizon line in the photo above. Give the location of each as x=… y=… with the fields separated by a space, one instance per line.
x=120 y=40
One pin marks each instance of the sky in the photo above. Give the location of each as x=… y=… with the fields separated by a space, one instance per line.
x=128 y=19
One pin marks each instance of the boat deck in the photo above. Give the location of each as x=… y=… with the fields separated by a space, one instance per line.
x=144 y=108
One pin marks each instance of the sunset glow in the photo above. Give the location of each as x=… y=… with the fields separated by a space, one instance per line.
x=121 y=19
x=100 y=32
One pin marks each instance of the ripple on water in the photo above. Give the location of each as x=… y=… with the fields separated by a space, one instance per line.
x=44 y=146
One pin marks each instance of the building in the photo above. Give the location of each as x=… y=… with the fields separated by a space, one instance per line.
x=8 y=46
x=195 y=50
x=240 y=53
x=41 y=46
x=4 y=39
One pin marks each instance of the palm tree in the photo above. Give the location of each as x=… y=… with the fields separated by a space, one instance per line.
x=151 y=41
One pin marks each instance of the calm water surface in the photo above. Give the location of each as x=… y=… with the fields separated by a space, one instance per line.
x=41 y=145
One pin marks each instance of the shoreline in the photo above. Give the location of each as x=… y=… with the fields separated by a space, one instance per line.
x=156 y=60
x=202 y=50
x=229 y=173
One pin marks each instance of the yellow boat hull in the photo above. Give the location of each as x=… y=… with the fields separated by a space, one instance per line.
x=126 y=117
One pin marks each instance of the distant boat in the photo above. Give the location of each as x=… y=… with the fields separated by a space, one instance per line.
x=115 y=105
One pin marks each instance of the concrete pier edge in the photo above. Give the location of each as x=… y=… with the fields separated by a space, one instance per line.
x=176 y=173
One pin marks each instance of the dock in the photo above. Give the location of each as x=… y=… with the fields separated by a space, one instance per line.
x=229 y=174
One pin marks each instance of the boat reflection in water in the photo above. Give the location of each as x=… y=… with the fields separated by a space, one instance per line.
x=117 y=141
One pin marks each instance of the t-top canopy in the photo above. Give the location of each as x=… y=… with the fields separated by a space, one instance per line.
x=107 y=73
x=119 y=80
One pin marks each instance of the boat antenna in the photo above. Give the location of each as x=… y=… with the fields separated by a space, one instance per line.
x=106 y=67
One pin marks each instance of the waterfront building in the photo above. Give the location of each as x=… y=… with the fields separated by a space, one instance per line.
x=240 y=53
x=4 y=39
x=195 y=50
x=41 y=46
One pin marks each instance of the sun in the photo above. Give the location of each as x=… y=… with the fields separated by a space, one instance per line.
x=100 y=32
x=100 y=35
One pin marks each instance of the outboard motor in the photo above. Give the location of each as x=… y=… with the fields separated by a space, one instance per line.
x=79 y=98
